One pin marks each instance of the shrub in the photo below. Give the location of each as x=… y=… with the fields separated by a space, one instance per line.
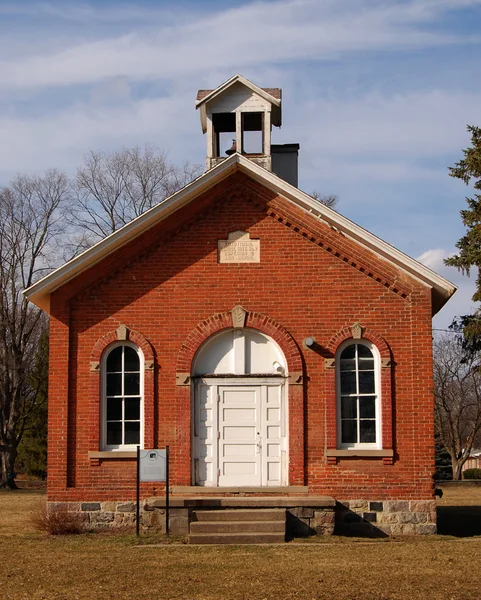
x=472 y=474
x=57 y=520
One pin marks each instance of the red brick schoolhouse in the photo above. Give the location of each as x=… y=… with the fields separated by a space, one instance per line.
x=280 y=350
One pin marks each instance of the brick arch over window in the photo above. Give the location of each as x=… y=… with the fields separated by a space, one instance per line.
x=291 y=351
x=112 y=336
x=95 y=392
x=254 y=320
x=387 y=387
x=367 y=334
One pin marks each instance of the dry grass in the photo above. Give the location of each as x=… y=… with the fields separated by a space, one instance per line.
x=15 y=507
x=105 y=566
x=463 y=495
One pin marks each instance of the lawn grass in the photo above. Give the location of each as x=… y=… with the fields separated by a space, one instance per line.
x=38 y=566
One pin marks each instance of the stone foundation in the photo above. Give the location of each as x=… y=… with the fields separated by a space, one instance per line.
x=363 y=518
x=385 y=517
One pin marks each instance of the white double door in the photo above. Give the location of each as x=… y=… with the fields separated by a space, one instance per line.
x=239 y=432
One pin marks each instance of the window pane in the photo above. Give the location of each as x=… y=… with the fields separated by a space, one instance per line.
x=132 y=384
x=114 y=385
x=367 y=407
x=348 y=382
x=348 y=408
x=132 y=409
x=348 y=432
x=132 y=361
x=366 y=382
x=349 y=352
x=368 y=431
x=363 y=351
x=366 y=364
x=114 y=409
x=114 y=433
x=132 y=433
x=114 y=360
x=348 y=365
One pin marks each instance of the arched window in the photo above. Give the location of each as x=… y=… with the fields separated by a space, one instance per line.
x=358 y=402
x=122 y=395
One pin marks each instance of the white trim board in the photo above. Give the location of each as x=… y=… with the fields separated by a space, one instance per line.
x=39 y=293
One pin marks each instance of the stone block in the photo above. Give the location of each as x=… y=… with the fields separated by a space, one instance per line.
x=396 y=506
x=408 y=529
x=426 y=529
x=302 y=512
x=385 y=528
x=376 y=506
x=388 y=518
x=396 y=529
x=407 y=517
x=420 y=505
x=102 y=517
x=322 y=517
x=358 y=505
x=370 y=517
x=352 y=517
x=421 y=517
x=90 y=506
x=152 y=520
x=108 y=506
x=179 y=525
x=127 y=507
x=124 y=519
x=324 y=529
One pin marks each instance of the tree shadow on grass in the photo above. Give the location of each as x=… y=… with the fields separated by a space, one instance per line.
x=459 y=521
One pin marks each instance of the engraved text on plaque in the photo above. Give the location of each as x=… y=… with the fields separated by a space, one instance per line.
x=239 y=248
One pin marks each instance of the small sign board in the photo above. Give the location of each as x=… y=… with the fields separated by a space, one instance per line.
x=153 y=465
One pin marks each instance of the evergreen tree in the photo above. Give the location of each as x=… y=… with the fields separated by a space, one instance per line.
x=469 y=256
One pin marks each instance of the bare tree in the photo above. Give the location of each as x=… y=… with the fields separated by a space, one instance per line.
x=330 y=200
x=111 y=189
x=457 y=390
x=31 y=222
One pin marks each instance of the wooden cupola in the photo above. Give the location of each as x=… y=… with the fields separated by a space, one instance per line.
x=238 y=117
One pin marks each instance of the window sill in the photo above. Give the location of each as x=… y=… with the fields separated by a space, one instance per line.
x=354 y=452
x=113 y=454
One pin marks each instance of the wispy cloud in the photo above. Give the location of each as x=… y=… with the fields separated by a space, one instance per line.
x=251 y=34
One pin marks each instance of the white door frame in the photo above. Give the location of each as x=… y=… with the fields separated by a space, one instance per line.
x=205 y=447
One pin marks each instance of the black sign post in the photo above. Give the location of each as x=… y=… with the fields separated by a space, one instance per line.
x=137 y=515
x=153 y=465
x=167 y=499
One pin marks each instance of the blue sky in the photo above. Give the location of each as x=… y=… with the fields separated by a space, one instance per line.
x=377 y=92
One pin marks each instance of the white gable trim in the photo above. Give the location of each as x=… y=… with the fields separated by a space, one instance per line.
x=39 y=293
x=238 y=78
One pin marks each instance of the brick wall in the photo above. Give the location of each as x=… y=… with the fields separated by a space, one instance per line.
x=311 y=280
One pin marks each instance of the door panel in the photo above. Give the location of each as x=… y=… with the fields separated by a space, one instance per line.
x=239 y=426
x=239 y=434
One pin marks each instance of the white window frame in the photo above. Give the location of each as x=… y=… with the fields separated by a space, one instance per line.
x=377 y=391
x=103 y=401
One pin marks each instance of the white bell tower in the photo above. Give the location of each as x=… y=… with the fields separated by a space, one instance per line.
x=238 y=117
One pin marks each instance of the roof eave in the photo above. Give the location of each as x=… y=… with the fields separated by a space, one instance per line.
x=39 y=293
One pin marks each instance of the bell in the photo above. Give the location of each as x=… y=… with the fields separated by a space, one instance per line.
x=232 y=149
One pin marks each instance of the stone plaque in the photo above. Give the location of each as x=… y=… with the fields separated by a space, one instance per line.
x=239 y=248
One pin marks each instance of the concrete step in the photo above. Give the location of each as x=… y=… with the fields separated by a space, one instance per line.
x=236 y=538
x=240 y=515
x=237 y=527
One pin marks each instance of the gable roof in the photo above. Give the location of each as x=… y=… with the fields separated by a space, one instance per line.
x=272 y=95
x=39 y=293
